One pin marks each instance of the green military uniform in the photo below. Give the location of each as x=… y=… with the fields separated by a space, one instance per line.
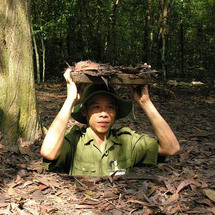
x=81 y=155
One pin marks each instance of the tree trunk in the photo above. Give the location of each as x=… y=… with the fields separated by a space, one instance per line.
x=114 y=17
x=99 y=49
x=162 y=35
x=146 y=44
x=37 y=58
x=18 y=109
x=44 y=58
x=111 y=38
x=182 y=47
x=182 y=41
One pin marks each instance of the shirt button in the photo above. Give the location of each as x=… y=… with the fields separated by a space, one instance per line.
x=106 y=153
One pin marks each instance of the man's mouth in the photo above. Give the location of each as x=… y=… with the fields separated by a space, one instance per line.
x=103 y=124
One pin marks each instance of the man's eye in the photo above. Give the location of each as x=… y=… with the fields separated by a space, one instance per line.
x=95 y=107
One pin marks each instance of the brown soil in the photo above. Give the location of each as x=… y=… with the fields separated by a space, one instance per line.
x=182 y=184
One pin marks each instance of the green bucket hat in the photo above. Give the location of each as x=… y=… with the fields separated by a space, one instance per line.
x=124 y=107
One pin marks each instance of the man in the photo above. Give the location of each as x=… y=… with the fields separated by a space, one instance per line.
x=99 y=150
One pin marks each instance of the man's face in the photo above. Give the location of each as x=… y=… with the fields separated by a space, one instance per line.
x=101 y=113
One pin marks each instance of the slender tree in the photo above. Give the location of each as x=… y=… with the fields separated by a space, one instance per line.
x=112 y=33
x=162 y=34
x=18 y=108
x=146 y=42
x=37 y=58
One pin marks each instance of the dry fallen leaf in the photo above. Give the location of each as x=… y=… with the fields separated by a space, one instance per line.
x=209 y=193
x=169 y=186
x=185 y=183
x=42 y=187
x=148 y=212
x=84 y=206
x=171 y=199
x=21 y=165
x=212 y=210
x=11 y=191
x=186 y=155
x=37 y=195
x=205 y=201
x=25 y=151
x=1 y=149
x=27 y=183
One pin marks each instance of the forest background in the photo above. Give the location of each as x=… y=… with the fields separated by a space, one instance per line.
x=176 y=37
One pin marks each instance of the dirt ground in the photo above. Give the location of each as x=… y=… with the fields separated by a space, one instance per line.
x=183 y=184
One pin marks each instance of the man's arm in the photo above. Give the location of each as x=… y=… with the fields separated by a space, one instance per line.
x=51 y=147
x=168 y=144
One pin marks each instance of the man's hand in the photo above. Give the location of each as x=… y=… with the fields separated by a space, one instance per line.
x=140 y=94
x=72 y=91
x=51 y=147
x=73 y=94
x=168 y=144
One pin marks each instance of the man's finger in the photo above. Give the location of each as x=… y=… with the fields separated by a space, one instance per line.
x=67 y=74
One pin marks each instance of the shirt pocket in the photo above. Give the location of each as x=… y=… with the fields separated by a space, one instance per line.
x=83 y=168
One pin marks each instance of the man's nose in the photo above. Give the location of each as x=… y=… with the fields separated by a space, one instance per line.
x=104 y=112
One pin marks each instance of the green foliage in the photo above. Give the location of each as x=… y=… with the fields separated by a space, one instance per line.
x=128 y=32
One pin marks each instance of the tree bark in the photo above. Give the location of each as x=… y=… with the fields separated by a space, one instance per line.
x=18 y=108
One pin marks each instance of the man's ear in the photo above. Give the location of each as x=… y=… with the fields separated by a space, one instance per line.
x=84 y=113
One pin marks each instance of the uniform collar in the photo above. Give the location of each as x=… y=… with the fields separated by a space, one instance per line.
x=88 y=137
